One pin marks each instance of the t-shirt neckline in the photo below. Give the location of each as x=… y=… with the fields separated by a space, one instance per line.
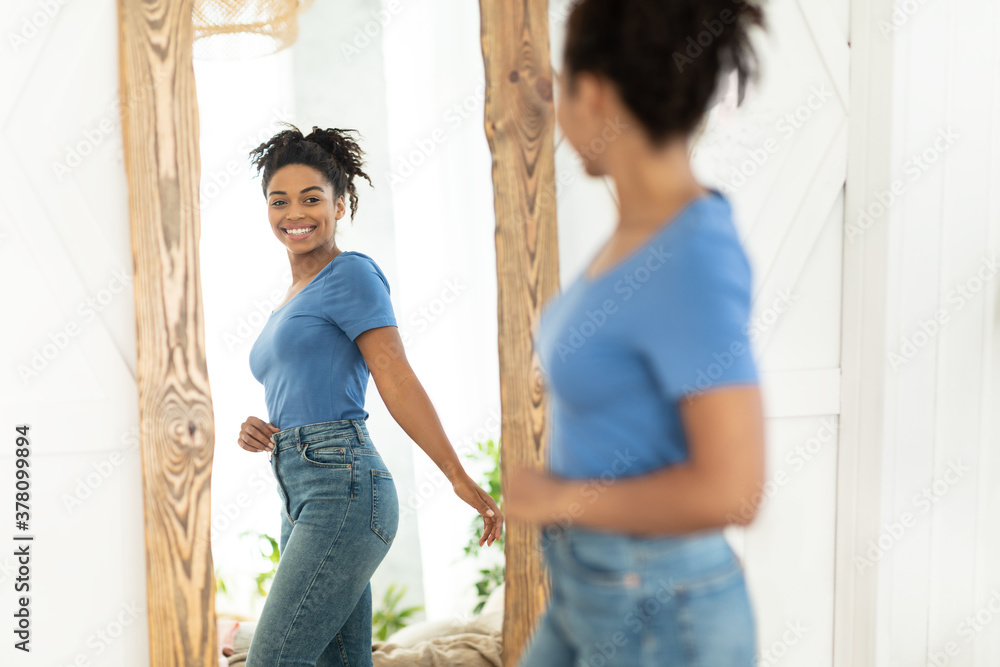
x=311 y=281
x=665 y=226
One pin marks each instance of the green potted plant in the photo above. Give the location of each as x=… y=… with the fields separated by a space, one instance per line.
x=389 y=619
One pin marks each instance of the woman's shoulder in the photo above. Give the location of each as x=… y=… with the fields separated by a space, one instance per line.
x=712 y=237
x=705 y=257
x=352 y=260
x=350 y=265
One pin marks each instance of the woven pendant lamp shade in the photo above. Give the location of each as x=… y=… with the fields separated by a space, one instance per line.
x=238 y=29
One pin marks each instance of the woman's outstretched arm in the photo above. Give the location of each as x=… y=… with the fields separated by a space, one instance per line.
x=717 y=485
x=411 y=407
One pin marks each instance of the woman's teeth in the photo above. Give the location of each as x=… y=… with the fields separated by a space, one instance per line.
x=299 y=232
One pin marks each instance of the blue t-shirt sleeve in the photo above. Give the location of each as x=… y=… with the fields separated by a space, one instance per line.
x=355 y=296
x=695 y=333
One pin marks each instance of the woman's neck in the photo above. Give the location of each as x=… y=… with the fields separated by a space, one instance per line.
x=652 y=184
x=305 y=267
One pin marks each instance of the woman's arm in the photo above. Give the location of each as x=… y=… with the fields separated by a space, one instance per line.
x=718 y=484
x=411 y=407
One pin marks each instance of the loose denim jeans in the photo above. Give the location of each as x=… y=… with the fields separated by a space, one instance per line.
x=339 y=517
x=628 y=601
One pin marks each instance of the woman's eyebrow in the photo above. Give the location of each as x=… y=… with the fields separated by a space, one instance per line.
x=311 y=187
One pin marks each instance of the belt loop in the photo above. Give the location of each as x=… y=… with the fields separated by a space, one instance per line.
x=297 y=437
x=357 y=427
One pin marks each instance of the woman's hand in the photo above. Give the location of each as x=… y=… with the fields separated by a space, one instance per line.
x=537 y=497
x=466 y=489
x=255 y=435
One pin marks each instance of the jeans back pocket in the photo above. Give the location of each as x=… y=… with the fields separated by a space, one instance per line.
x=385 y=505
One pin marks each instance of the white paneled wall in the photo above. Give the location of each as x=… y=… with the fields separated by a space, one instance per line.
x=939 y=554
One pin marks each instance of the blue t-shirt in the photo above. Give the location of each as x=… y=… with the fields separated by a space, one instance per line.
x=306 y=357
x=618 y=352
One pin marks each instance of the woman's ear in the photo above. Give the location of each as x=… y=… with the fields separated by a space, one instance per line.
x=340 y=208
x=597 y=95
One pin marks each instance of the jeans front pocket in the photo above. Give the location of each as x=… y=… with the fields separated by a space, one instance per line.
x=328 y=453
x=716 y=570
x=601 y=559
x=385 y=505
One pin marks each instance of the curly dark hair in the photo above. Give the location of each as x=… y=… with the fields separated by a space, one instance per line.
x=331 y=152
x=665 y=57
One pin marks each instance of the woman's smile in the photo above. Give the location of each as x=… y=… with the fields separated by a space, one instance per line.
x=296 y=233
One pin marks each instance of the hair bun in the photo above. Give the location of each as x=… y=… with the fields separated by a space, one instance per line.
x=665 y=57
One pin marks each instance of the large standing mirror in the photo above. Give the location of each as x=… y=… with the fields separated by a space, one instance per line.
x=411 y=81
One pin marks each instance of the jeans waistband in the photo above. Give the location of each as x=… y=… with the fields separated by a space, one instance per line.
x=707 y=539
x=343 y=428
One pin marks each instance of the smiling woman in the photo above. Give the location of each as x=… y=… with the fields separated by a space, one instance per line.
x=314 y=356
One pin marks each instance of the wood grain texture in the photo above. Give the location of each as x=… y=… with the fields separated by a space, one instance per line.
x=520 y=127
x=160 y=133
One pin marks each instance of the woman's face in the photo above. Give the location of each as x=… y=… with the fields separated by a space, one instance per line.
x=581 y=114
x=300 y=198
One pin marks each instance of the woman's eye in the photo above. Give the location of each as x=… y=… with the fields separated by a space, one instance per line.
x=276 y=202
x=313 y=198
